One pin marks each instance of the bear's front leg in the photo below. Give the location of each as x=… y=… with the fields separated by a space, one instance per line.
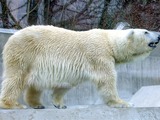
x=58 y=95
x=109 y=93
x=106 y=85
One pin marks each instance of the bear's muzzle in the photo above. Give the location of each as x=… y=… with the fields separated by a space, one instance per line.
x=154 y=44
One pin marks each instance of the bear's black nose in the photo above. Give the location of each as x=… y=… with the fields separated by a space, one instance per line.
x=158 y=38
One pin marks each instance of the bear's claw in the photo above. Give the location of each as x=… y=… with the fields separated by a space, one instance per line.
x=39 y=107
x=60 y=107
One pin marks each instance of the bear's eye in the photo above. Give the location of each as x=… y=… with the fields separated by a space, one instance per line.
x=146 y=32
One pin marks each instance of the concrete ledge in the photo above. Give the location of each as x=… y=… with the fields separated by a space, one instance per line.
x=98 y=112
x=147 y=96
x=7 y=31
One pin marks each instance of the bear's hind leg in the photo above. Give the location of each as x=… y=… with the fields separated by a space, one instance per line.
x=10 y=92
x=32 y=97
x=58 y=95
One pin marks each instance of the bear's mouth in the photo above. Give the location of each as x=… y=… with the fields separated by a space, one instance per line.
x=153 y=44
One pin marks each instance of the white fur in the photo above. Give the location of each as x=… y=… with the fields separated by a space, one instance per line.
x=51 y=57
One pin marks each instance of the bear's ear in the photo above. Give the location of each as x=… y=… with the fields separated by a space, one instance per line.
x=130 y=33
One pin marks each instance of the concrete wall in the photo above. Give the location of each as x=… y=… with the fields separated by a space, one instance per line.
x=131 y=77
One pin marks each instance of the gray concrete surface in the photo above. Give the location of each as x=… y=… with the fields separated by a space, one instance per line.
x=98 y=112
x=148 y=96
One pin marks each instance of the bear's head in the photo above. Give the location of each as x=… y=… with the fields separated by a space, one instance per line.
x=139 y=44
x=145 y=37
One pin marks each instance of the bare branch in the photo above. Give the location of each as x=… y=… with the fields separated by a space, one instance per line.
x=8 y=12
x=63 y=6
x=19 y=7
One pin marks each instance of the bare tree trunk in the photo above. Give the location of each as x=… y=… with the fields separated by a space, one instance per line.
x=104 y=17
x=5 y=19
x=32 y=11
x=48 y=5
x=46 y=11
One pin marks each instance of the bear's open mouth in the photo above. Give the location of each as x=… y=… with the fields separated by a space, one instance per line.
x=153 y=44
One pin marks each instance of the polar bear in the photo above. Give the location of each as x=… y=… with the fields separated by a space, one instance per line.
x=47 y=57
